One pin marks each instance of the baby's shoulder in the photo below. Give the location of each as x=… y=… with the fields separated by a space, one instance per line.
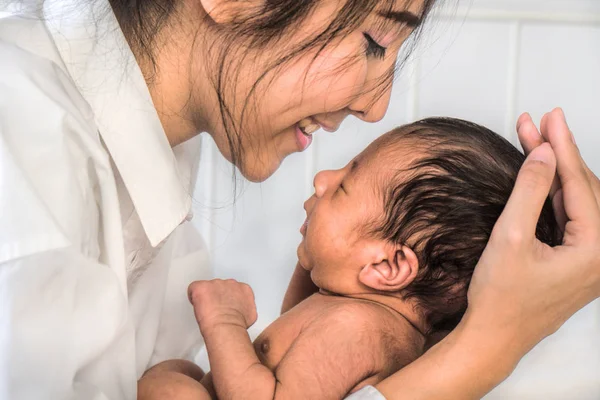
x=370 y=328
x=357 y=323
x=352 y=313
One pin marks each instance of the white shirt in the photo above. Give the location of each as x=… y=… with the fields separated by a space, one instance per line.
x=96 y=250
x=366 y=393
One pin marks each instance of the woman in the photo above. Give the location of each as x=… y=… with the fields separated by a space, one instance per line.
x=99 y=107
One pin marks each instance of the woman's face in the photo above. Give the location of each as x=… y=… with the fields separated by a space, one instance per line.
x=315 y=89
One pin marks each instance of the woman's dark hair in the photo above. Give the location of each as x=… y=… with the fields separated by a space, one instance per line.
x=444 y=206
x=142 y=20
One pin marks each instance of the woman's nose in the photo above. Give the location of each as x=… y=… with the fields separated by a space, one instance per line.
x=372 y=104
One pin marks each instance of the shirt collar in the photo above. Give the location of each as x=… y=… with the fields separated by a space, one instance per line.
x=98 y=58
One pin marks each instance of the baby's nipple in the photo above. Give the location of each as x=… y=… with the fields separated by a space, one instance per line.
x=265 y=346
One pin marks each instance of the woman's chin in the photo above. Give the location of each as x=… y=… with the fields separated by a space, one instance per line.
x=259 y=172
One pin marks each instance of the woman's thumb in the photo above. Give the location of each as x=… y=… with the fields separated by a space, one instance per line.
x=522 y=212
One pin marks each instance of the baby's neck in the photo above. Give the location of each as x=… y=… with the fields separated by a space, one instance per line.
x=404 y=310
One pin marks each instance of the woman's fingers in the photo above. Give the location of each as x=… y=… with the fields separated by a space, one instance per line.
x=578 y=196
x=520 y=216
x=558 y=205
x=530 y=138
x=594 y=181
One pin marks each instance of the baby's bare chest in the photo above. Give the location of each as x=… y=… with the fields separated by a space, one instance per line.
x=277 y=339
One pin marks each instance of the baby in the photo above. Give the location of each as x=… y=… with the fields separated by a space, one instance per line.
x=391 y=241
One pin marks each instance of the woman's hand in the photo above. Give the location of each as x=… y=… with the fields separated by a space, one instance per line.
x=547 y=285
x=520 y=282
x=522 y=290
x=530 y=138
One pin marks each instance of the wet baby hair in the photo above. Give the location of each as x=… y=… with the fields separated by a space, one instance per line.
x=444 y=206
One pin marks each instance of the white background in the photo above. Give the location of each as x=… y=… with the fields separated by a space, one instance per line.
x=486 y=61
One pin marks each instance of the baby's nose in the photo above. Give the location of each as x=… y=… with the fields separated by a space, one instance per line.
x=320 y=183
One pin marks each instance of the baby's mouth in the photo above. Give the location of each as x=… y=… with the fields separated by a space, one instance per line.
x=303 y=227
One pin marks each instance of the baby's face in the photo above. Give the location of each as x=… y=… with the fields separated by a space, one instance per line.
x=337 y=239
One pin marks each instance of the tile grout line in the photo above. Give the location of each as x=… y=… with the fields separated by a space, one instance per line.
x=310 y=168
x=413 y=91
x=512 y=78
x=499 y=15
x=212 y=201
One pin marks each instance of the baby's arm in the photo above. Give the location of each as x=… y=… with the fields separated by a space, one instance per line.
x=327 y=360
x=224 y=310
x=172 y=379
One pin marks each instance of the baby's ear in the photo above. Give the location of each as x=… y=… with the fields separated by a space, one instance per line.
x=392 y=272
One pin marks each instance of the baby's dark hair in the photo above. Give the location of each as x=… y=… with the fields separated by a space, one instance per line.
x=444 y=206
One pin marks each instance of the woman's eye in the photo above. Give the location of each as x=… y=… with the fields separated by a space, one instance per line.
x=374 y=49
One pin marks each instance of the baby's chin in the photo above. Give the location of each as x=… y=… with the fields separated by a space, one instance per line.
x=300 y=253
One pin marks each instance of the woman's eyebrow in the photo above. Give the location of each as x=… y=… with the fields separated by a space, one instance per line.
x=402 y=17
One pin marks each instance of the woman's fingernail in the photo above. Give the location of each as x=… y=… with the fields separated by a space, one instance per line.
x=542 y=153
x=522 y=119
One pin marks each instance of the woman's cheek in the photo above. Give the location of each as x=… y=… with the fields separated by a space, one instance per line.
x=336 y=77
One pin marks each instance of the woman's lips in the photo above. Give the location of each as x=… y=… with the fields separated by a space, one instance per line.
x=304 y=130
x=303 y=140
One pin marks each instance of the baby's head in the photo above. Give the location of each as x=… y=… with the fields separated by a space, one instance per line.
x=410 y=216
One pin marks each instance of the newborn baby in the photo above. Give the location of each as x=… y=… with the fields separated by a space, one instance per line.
x=391 y=241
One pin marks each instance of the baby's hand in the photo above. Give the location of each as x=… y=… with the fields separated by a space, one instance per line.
x=222 y=302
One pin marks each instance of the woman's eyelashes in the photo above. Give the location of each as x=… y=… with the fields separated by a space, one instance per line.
x=374 y=49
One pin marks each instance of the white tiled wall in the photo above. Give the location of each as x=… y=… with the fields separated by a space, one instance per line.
x=486 y=61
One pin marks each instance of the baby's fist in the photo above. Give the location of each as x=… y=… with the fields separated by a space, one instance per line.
x=222 y=302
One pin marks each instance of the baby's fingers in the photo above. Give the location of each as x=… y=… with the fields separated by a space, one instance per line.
x=250 y=313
